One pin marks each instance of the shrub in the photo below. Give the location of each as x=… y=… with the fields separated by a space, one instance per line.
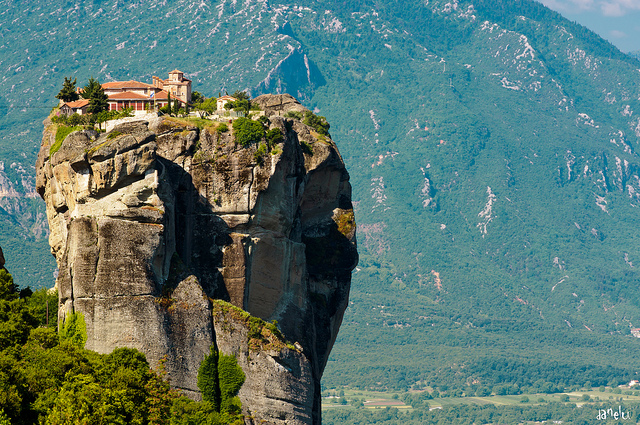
x=112 y=135
x=293 y=114
x=306 y=147
x=222 y=128
x=76 y=119
x=318 y=123
x=274 y=136
x=124 y=113
x=255 y=328
x=258 y=156
x=247 y=131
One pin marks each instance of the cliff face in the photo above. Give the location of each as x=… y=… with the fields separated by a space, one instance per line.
x=153 y=222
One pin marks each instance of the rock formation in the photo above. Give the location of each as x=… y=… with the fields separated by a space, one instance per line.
x=156 y=225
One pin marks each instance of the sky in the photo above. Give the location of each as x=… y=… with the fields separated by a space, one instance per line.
x=617 y=21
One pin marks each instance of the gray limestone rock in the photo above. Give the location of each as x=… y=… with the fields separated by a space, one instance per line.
x=153 y=228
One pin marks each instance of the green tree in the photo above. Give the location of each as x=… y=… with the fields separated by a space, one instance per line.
x=168 y=105
x=8 y=289
x=160 y=399
x=208 y=379
x=68 y=92
x=242 y=102
x=247 y=131
x=176 y=106
x=98 y=99
x=240 y=95
x=16 y=320
x=207 y=105
x=197 y=97
x=231 y=378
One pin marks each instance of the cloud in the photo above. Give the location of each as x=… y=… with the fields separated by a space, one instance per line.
x=619 y=7
x=613 y=8
x=618 y=34
x=569 y=5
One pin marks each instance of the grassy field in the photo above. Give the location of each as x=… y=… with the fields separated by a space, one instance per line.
x=352 y=399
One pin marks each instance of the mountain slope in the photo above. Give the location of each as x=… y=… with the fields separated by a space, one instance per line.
x=492 y=148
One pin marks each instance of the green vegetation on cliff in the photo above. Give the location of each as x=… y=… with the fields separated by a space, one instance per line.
x=51 y=378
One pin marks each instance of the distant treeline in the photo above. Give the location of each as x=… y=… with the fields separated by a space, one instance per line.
x=568 y=413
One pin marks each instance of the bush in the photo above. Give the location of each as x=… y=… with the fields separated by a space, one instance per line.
x=264 y=120
x=274 y=136
x=255 y=328
x=293 y=114
x=247 y=131
x=320 y=124
x=222 y=128
x=306 y=147
x=258 y=156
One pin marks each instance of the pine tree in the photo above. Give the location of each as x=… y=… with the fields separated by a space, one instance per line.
x=68 y=92
x=98 y=99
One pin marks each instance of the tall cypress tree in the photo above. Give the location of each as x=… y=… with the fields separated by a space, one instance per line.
x=176 y=106
x=208 y=379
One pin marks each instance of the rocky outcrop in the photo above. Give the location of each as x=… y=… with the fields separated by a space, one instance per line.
x=153 y=223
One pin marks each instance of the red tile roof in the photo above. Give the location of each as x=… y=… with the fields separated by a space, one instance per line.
x=131 y=84
x=162 y=95
x=127 y=95
x=78 y=104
